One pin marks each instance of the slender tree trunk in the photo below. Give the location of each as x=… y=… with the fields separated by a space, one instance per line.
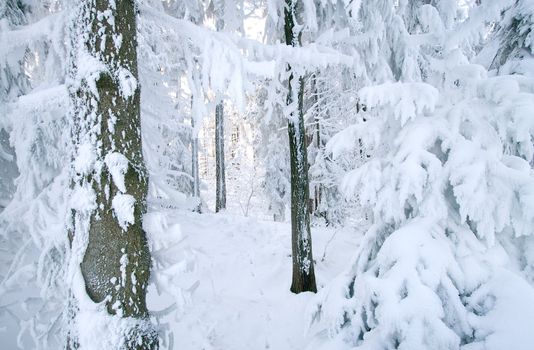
x=303 y=271
x=194 y=159
x=317 y=188
x=116 y=262
x=220 y=200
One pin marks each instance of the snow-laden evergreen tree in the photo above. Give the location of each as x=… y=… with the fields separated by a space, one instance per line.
x=33 y=103
x=331 y=106
x=14 y=79
x=516 y=40
x=13 y=82
x=334 y=107
x=270 y=145
x=165 y=63
x=181 y=65
x=450 y=189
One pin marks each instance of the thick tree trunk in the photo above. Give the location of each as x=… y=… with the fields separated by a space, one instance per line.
x=116 y=262
x=303 y=271
x=220 y=200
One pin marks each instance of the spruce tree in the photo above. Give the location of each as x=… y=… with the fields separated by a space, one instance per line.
x=515 y=35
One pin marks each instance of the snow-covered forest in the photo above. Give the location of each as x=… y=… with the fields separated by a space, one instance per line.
x=267 y=174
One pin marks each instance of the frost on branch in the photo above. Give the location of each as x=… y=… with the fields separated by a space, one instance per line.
x=408 y=99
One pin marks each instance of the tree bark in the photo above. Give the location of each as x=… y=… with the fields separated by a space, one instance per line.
x=220 y=200
x=116 y=262
x=303 y=270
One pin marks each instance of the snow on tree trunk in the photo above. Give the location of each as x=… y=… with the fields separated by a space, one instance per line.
x=303 y=272
x=220 y=201
x=110 y=181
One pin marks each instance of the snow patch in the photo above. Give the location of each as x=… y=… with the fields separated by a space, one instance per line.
x=83 y=164
x=127 y=82
x=96 y=329
x=123 y=207
x=89 y=69
x=117 y=165
x=83 y=199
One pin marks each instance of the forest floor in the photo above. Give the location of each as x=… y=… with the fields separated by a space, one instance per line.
x=227 y=280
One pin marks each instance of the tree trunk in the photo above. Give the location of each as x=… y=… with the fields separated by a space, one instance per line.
x=317 y=188
x=303 y=271
x=116 y=262
x=194 y=159
x=220 y=200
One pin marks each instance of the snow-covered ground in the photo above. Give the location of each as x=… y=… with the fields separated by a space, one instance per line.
x=229 y=277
